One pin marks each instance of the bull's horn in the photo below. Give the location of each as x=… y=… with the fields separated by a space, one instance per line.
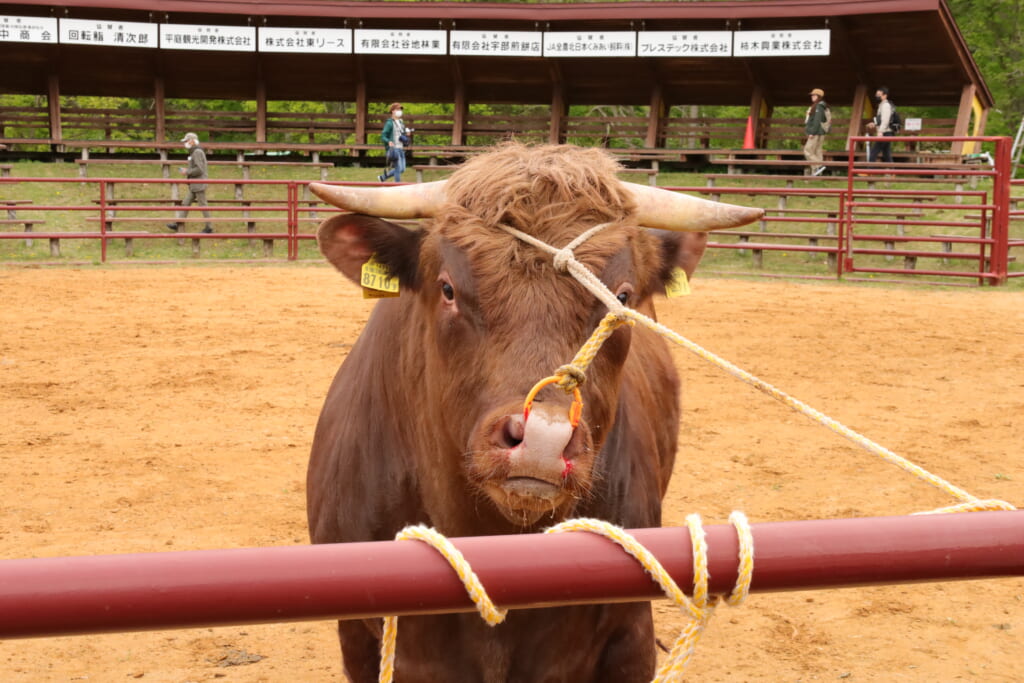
x=420 y=200
x=667 y=210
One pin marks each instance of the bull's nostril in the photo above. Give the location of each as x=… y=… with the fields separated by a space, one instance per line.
x=512 y=432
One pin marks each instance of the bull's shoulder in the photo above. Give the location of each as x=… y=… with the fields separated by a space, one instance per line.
x=361 y=480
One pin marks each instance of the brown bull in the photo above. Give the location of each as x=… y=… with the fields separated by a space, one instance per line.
x=424 y=421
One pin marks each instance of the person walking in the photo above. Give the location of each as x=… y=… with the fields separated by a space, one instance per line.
x=395 y=137
x=196 y=170
x=815 y=125
x=882 y=127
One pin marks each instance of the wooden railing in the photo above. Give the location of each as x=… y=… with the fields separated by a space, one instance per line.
x=29 y=128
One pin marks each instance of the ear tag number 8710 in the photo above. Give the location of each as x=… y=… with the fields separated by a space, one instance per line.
x=377 y=282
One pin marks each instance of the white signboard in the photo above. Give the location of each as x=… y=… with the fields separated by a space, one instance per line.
x=912 y=124
x=684 y=44
x=590 y=44
x=309 y=40
x=110 y=33
x=203 y=37
x=373 y=41
x=780 y=43
x=503 y=43
x=28 y=30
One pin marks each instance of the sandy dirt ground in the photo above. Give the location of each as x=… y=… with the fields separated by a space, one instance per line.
x=156 y=409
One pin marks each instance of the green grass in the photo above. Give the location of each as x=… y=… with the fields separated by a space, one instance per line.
x=784 y=263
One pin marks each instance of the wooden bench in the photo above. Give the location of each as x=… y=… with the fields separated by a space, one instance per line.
x=165 y=164
x=910 y=257
x=757 y=248
x=29 y=224
x=736 y=166
x=948 y=241
x=246 y=166
x=420 y=169
x=250 y=223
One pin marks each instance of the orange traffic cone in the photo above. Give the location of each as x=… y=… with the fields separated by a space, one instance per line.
x=748 y=137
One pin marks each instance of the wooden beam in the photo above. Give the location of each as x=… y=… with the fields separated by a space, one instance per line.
x=559 y=105
x=963 y=116
x=53 y=103
x=261 y=110
x=757 y=102
x=656 y=118
x=983 y=121
x=361 y=103
x=160 y=110
x=461 y=103
x=860 y=97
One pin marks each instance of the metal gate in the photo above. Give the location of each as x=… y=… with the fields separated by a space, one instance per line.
x=891 y=225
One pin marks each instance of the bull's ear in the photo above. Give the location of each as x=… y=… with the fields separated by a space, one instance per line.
x=349 y=240
x=680 y=250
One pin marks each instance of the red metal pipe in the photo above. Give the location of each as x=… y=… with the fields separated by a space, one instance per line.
x=111 y=593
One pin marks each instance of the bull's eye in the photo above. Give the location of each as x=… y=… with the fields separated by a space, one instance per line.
x=625 y=290
x=447 y=291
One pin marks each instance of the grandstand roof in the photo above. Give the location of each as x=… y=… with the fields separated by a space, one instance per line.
x=912 y=46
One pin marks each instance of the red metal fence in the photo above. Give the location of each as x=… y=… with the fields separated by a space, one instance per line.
x=110 y=593
x=991 y=224
x=860 y=224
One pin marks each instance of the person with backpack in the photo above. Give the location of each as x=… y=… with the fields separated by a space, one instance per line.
x=395 y=137
x=817 y=124
x=887 y=124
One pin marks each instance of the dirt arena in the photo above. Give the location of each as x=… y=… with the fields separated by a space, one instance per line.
x=156 y=409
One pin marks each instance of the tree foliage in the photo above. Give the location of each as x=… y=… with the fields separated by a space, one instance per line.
x=993 y=31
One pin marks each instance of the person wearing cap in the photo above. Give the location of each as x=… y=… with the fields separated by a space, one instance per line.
x=395 y=137
x=813 y=126
x=196 y=170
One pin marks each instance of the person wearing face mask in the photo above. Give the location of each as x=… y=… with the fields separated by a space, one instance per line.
x=196 y=170
x=395 y=137
x=882 y=126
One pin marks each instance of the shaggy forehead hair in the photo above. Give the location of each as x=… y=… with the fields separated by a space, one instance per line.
x=544 y=188
x=551 y=192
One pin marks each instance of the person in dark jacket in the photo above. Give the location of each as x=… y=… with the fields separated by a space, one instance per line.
x=813 y=126
x=196 y=170
x=394 y=136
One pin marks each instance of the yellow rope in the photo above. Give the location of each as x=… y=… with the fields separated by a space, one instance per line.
x=699 y=609
x=491 y=614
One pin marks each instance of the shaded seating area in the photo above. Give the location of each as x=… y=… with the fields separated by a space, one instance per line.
x=647 y=107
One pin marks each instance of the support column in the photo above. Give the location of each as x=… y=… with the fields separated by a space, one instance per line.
x=963 y=116
x=758 y=109
x=361 y=106
x=655 y=119
x=461 y=113
x=160 y=111
x=559 y=109
x=53 y=103
x=261 y=111
x=857 y=111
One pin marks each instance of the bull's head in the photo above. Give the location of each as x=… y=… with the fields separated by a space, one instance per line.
x=486 y=315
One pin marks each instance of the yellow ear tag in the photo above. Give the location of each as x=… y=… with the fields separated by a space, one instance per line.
x=679 y=285
x=376 y=281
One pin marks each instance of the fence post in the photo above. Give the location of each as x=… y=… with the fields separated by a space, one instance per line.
x=293 y=221
x=1001 y=213
x=103 y=221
